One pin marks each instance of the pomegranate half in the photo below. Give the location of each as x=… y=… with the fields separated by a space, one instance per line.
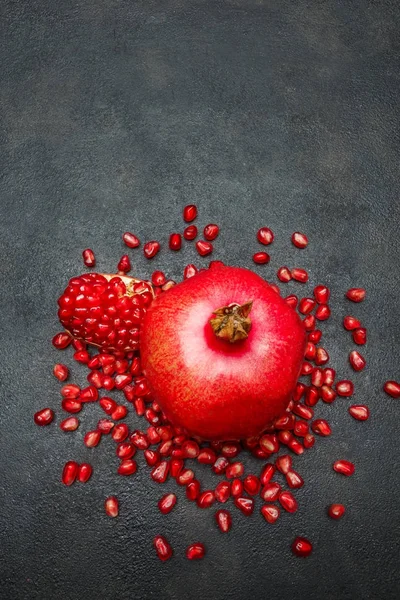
x=222 y=352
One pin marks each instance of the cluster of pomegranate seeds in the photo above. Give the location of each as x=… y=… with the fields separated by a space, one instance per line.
x=107 y=311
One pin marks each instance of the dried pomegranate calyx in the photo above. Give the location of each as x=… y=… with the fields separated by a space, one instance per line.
x=232 y=322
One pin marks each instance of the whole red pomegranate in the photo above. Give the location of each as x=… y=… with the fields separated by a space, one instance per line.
x=222 y=353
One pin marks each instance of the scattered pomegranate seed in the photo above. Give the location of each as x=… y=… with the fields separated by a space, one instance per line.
x=119 y=413
x=236 y=487
x=195 y=551
x=69 y=424
x=344 y=467
x=336 y=511
x=61 y=340
x=308 y=441
x=105 y=426
x=321 y=427
x=204 y=248
x=150 y=249
x=284 y=274
x=175 y=241
x=294 y=480
x=292 y=300
x=300 y=240
x=261 y=258
x=270 y=512
x=392 y=388
x=267 y=474
x=206 y=499
x=344 y=388
x=360 y=412
x=127 y=467
x=252 y=485
x=357 y=361
x=223 y=491
x=235 y=469
x=265 y=236
x=92 y=438
x=130 y=240
x=245 y=505
x=190 y=233
x=284 y=463
x=111 y=506
x=43 y=417
x=323 y=312
x=300 y=275
x=356 y=294
x=224 y=520
x=306 y=305
x=322 y=294
x=71 y=406
x=89 y=258
x=193 y=490
x=70 y=472
x=351 y=323
x=301 y=547
x=60 y=372
x=124 y=264
x=288 y=502
x=160 y=472
x=210 y=232
x=360 y=336
x=271 y=491
x=189 y=213
x=84 y=472
x=167 y=503
x=305 y=412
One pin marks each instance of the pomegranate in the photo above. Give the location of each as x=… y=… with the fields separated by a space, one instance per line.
x=105 y=310
x=222 y=352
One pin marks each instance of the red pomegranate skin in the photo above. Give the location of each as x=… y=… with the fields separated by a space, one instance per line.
x=214 y=389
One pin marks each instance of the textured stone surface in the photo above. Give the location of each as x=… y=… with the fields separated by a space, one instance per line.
x=114 y=115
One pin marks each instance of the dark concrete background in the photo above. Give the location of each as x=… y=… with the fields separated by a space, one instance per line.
x=115 y=114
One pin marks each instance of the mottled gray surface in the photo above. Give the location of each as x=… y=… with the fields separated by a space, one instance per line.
x=115 y=114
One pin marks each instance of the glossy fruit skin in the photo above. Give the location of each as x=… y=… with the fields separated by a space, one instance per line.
x=214 y=389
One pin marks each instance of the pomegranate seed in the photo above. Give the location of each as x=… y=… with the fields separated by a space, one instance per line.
x=328 y=394
x=392 y=388
x=139 y=440
x=323 y=312
x=301 y=547
x=190 y=232
x=125 y=450
x=269 y=443
x=285 y=422
x=284 y=463
x=60 y=372
x=344 y=388
x=176 y=464
x=223 y=491
x=245 y=505
x=193 y=490
x=191 y=449
x=124 y=264
x=89 y=394
x=127 y=467
x=308 y=441
x=204 y=248
x=119 y=413
x=299 y=391
x=265 y=236
x=288 y=502
x=312 y=396
x=152 y=458
x=303 y=411
x=322 y=294
x=306 y=305
x=329 y=376
x=321 y=427
x=351 y=323
x=299 y=240
x=271 y=491
x=284 y=274
x=356 y=294
x=360 y=336
x=295 y=446
x=189 y=271
x=321 y=356
x=130 y=240
x=206 y=499
x=120 y=432
x=360 y=412
x=311 y=351
x=336 y=511
x=309 y=323
x=261 y=258
x=70 y=391
x=95 y=378
x=292 y=300
x=69 y=424
x=207 y=457
x=317 y=377
x=230 y=450
x=314 y=336
x=105 y=426
x=61 y=340
x=84 y=472
x=301 y=428
x=89 y=258
x=150 y=249
x=252 y=485
x=175 y=241
x=167 y=503
x=236 y=487
x=189 y=213
x=158 y=278
x=92 y=438
x=344 y=467
x=357 y=361
x=160 y=473
x=71 y=406
x=163 y=548
x=43 y=417
x=224 y=520
x=235 y=469
x=82 y=356
x=267 y=473
x=210 y=232
x=294 y=480
x=270 y=512
x=195 y=551
x=111 y=506
x=70 y=472
x=300 y=275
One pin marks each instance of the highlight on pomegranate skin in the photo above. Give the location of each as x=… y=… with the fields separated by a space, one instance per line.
x=222 y=356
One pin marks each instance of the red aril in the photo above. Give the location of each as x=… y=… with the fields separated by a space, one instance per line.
x=71 y=391
x=150 y=249
x=351 y=323
x=224 y=520
x=43 y=417
x=69 y=424
x=236 y=487
x=301 y=547
x=261 y=258
x=306 y=305
x=130 y=240
x=336 y=511
x=210 y=232
x=163 y=548
x=299 y=275
x=223 y=491
x=251 y=485
x=61 y=340
x=344 y=388
x=284 y=274
x=127 y=467
x=105 y=426
x=195 y=551
x=288 y=502
x=111 y=506
x=299 y=240
x=206 y=499
x=70 y=472
x=167 y=503
x=158 y=278
x=392 y=388
x=357 y=361
x=322 y=294
x=265 y=236
x=228 y=312
x=344 y=467
x=175 y=241
x=321 y=427
x=245 y=505
x=89 y=258
x=356 y=294
x=204 y=248
x=292 y=300
x=190 y=233
x=271 y=491
x=85 y=471
x=270 y=512
x=284 y=463
x=267 y=474
x=124 y=264
x=92 y=438
x=294 y=480
x=323 y=312
x=193 y=490
x=360 y=412
x=60 y=372
x=70 y=405
x=189 y=213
